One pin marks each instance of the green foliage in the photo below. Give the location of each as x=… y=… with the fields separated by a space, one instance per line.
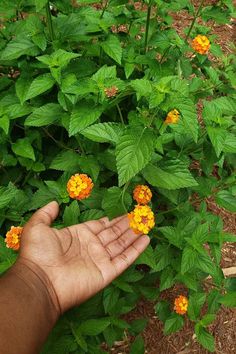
x=56 y=119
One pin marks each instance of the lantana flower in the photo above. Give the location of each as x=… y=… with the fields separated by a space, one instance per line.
x=13 y=237
x=172 y=117
x=141 y=219
x=79 y=186
x=181 y=305
x=142 y=194
x=111 y=91
x=201 y=44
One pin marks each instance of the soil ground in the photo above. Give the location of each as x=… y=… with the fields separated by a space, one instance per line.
x=224 y=327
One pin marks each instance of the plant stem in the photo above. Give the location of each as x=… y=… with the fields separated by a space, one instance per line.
x=49 y=21
x=120 y=114
x=104 y=9
x=147 y=26
x=194 y=20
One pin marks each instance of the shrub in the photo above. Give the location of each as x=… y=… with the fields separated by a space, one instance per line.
x=111 y=90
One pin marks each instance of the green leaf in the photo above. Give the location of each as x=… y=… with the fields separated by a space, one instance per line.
x=7 y=194
x=40 y=85
x=213 y=301
x=94 y=327
x=217 y=137
x=137 y=347
x=162 y=309
x=166 y=279
x=22 y=147
x=189 y=257
x=228 y=299
x=196 y=301
x=174 y=174
x=147 y=257
x=226 y=200
x=142 y=87
x=116 y=202
x=133 y=151
x=112 y=48
x=66 y=160
x=83 y=116
x=40 y=4
x=230 y=143
x=103 y=132
x=5 y=123
x=205 y=338
x=22 y=87
x=44 y=115
x=18 y=47
x=110 y=298
x=207 y=319
x=138 y=325
x=71 y=214
x=173 y=324
x=92 y=214
x=60 y=58
x=189 y=115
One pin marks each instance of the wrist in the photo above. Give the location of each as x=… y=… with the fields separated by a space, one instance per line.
x=35 y=281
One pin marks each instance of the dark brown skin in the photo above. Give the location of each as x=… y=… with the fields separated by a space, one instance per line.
x=59 y=269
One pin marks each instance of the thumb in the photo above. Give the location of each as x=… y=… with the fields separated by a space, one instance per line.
x=46 y=215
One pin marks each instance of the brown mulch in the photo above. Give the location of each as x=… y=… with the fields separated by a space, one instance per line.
x=224 y=327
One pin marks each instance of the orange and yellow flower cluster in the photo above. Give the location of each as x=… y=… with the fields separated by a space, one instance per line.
x=181 y=305
x=172 y=117
x=79 y=186
x=142 y=194
x=13 y=237
x=201 y=44
x=141 y=219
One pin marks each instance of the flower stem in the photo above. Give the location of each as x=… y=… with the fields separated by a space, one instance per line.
x=194 y=20
x=49 y=21
x=147 y=26
x=120 y=114
x=104 y=9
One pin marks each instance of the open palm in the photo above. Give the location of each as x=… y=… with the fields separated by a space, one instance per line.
x=79 y=260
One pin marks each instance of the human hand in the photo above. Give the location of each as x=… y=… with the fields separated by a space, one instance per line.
x=78 y=261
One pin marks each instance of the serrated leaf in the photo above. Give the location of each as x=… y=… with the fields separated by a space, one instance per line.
x=71 y=214
x=22 y=147
x=22 y=87
x=40 y=85
x=112 y=48
x=217 y=137
x=196 y=302
x=92 y=214
x=115 y=202
x=133 y=151
x=226 y=200
x=188 y=113
x=173 y=175
x=137 y=347
x=44 y=115
x=205 y=338
x=189 y=257
x=228 y=299
x=166 y=279
x=103 y=132
x=94 y=327
x=110 y=297
x=83 y=116
x=18 y=47
x=142 y=87
x=65 y=160
x=147 y=257
x=173 y=324
x=5 y=123
x=60 y=58
x=7 y=194
x=40 y=4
